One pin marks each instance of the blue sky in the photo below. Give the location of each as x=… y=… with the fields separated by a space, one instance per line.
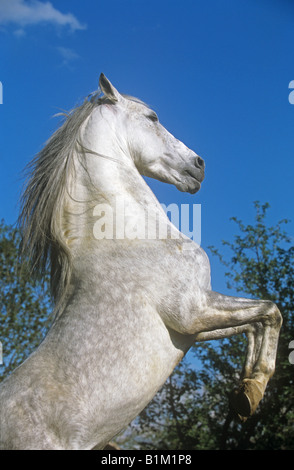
x=216 y=72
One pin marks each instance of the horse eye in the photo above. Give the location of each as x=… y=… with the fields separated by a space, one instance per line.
x=153 y=117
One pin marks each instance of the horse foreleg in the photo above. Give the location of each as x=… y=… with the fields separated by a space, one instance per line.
x=261 y=320
x=239 y=398
x=252 y=347
x=254 y=333
x=219 y=316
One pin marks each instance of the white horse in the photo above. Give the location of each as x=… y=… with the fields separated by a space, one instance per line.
x=127 y=308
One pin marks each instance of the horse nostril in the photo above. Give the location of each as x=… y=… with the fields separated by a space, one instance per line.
x=199 y=162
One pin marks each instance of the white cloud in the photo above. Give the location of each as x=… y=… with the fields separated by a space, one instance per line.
x=68 y=55
x=24 y=13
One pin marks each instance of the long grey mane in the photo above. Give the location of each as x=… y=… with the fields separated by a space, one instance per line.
x=40 y=219
x=42 y=200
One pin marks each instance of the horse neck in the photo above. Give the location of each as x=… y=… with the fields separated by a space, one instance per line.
x=110 y=186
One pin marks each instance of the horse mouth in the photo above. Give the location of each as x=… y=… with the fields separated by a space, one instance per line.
x=196 y=189
x=192 y=183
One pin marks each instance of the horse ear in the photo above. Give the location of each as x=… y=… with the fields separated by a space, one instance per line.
x=108 y=89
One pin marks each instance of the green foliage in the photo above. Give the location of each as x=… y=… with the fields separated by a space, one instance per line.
x=261 y=266
x=24 y=301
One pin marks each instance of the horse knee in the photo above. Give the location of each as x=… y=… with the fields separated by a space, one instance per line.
x=274 y=317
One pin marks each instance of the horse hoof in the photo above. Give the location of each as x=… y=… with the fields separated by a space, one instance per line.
x=246 y=398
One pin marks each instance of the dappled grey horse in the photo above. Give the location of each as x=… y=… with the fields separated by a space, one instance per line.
x=128 y=307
